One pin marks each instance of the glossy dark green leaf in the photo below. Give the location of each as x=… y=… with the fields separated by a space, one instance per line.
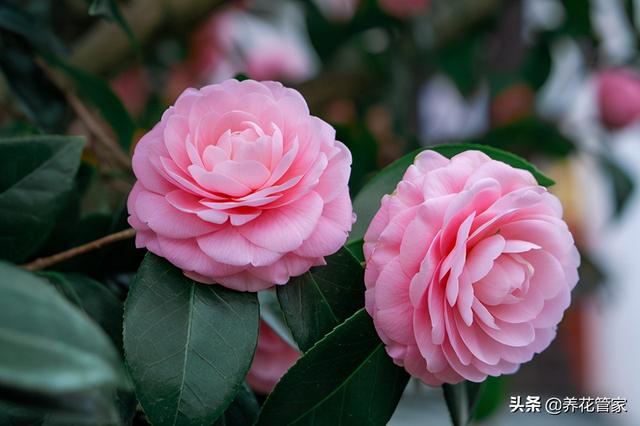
x=54 y=349
x=36 y=175
x=356 y=249
x=242 y=411
x=317 y=301
x=271 y=313
x=367 y=202
x=188 y=346
x=346 y=378
x=97 y=92
x=94 y=298
x=461 y=399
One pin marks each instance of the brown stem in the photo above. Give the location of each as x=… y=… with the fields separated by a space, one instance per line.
x=45 y=262
x=109 y=146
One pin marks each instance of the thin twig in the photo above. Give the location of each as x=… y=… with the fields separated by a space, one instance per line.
x=45 y=262
x=94 y=124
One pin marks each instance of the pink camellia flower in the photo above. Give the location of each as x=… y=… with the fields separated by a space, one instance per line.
x=469 y=268
x=404 y=8
x=239 y=185
x=618 y=97
x=272 y=359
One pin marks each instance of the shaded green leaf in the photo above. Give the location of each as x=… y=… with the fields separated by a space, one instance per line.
x=461 y=399
x=242 y=411
x=36 y=175
x=317 y=301
x=621 y=182
x=14 y=19
x=94 y=299
x=577 y=21
x=188 y=346
x=271 y=313
x=346 y=378
x=364 y=151
x=529 y=135
x=89 y=407
x=536 y=66
x=40 y=100
x=367 y=202
x=72 y=231
x=356 y=249
x=55 y=349
x=494 y=391
x=460 y=62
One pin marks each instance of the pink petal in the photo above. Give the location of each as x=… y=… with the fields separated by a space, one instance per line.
x=511 y=334
x=250 y=173
x=229 y=247
x=332 y=229
x=218 y=183
x=175 y=137
x=284 y=229
x=165 y=219
x=212 y=156
x=336 y=175
x=481 y=257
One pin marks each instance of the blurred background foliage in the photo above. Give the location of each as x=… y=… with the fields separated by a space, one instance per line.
x=389 y=80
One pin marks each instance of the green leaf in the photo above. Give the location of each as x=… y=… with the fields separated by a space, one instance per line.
x=271 y=313
x=494 y=392
x=98 y=93
x=40 y=99
x=363 y=147
x=356 y=249
x=242 y=411
x=14 y=19
x=55 y=349
x=75 y=232
x=527 y=136
x=20 y=34
x=621 y=182
x=577 y=19
x=188 y=345
x=36 y=175
x=346 y=378
x=461 y=399
x=94 y=299
x=94 y=407
x=367 y=202
x=317 y=301
x=460 y=61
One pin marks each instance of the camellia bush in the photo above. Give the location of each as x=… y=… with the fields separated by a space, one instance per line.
x=216 y=253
